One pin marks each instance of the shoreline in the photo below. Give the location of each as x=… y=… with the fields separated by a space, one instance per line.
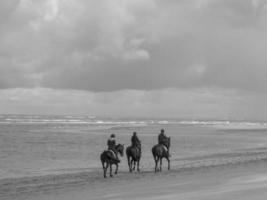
x=11 y=188
x=215 y=182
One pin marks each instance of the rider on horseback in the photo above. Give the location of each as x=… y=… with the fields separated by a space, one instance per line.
x=112 y=145
x=163 y=139
x=134 y=152
x=135 y=141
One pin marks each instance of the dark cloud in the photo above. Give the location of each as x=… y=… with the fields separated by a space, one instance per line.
x=134 y=44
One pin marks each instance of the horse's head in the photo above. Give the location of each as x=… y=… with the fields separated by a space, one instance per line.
x=120 y=149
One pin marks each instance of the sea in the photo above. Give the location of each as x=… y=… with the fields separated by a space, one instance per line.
x=34 y=147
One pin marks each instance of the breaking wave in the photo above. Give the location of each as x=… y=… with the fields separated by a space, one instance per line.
x=92 y=120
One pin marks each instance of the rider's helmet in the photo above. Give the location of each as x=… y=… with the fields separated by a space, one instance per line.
x=112 y=135
x=162 y=131
x=134 y=133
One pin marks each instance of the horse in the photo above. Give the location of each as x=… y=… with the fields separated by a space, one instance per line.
x=160 y=151
x=133 y=156
x=108 y=159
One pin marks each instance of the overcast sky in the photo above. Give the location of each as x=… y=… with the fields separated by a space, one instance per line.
x=192 y=59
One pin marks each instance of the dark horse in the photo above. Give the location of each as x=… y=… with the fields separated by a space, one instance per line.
x=108 y=159
x=133 y=156
x=159 y=152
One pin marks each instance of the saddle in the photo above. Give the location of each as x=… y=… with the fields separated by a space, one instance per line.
x=166 y=149
x=113 y=153
x=137 y=148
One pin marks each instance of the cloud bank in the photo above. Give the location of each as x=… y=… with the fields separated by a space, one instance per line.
x=111 y=45
x=206 y=104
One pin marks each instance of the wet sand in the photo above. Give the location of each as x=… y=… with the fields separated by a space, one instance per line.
x=232 y=181
x=48 y=162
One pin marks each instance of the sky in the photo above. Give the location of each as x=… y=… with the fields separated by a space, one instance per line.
x=189 y=59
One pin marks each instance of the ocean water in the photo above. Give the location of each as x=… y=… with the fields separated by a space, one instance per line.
x=39 y=146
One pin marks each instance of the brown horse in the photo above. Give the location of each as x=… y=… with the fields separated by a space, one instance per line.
x=160 y=151
x=133 y=156
x=108 y=159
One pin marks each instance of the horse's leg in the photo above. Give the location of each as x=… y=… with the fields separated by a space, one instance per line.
x=168 y=163
x=110 y=172
x=160 y=167
x=138 y=165
x=105 y=170
x=103 y=164
x=134 y=158
x=117 y=166
x=134 y=165
x=129 y=163
x=138 y=160
x=156 y=163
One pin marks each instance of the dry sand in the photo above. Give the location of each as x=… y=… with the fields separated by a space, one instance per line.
x=237 y=181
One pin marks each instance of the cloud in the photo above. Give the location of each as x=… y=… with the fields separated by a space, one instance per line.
x=116 y=45
x=204 y=103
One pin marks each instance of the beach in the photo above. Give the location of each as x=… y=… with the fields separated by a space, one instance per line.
x=232 y=182
x=50 y=157
x=239 y=181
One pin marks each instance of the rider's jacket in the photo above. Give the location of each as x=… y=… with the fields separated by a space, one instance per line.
x=162 y=139
x=111 y=143
x=135 y=141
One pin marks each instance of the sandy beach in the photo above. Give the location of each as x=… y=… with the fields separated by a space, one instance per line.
x=60 y=161
x=238 y=181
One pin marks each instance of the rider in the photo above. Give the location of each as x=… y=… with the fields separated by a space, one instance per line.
x=162 y=139
x=112 y=144
x=135 y=141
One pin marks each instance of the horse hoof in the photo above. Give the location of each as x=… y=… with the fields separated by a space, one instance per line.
x=111 y=175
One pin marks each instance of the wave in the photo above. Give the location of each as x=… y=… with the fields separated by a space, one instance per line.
x=227 y=124
x=96 y=123
x=92 y=120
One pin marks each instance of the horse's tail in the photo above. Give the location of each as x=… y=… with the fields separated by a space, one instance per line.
x=102 y=159
x=134 y=152
x=154 y=151
x=128 y=150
